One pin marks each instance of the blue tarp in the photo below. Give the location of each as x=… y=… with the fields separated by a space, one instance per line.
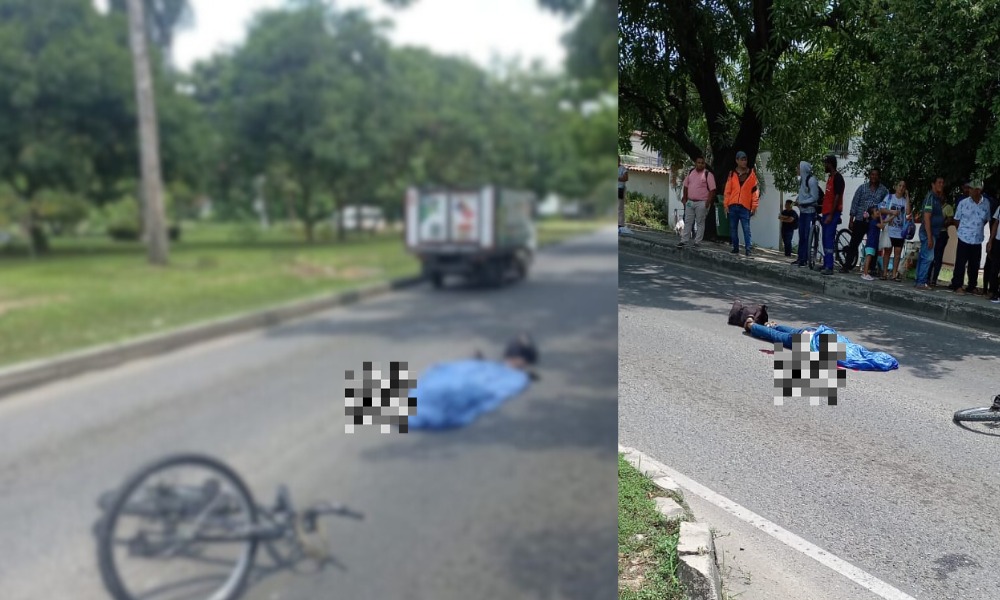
x=455 y=394
x=858 y=357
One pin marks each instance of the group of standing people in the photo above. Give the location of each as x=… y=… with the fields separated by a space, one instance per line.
x=829 y=203
x=740 y=200
x=887 y=219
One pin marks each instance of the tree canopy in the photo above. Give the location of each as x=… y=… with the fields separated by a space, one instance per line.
x=316 y=110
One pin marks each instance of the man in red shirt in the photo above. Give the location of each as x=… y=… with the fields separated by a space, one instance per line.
x=830 y=213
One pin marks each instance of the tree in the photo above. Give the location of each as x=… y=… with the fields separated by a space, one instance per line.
x=303 y=96
x=717 y=77
x=152 y=184
x=163 y=19
x=933 y=110
x=64 y=81
x=592 y=47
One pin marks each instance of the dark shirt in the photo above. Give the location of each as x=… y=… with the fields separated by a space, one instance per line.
x=873 y=231
x=785 y=226
x=933 y=204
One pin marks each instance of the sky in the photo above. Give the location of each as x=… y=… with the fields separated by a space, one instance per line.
x=472 y=28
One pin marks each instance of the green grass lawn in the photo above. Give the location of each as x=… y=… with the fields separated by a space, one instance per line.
x=92 y=291
x=647 y=567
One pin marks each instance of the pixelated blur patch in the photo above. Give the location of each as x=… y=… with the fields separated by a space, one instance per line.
x=803 y=373
x=382 y=400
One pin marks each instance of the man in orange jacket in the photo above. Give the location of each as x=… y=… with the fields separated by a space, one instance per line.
x=741 y=198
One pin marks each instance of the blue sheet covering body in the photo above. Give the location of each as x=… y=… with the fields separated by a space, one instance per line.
x=455 y=394
x=858 y=357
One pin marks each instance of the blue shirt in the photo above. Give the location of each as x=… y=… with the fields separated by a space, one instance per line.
x=971 y=219
x=873 y=232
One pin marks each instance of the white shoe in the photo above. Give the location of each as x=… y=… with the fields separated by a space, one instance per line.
x=867 y=278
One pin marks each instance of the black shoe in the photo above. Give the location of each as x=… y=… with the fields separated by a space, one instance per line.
x=748 y=252
x=681 y=245
x=826 y=272
x=996 y=403
x=735 y=251
x=796 y=263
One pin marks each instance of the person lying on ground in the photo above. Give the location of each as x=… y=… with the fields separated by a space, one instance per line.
x=456 y=393
x=857 y=357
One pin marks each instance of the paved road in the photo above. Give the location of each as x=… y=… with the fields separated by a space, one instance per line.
x=521 y=504
x=884 y=480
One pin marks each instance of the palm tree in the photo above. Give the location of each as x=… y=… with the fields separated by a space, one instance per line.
x=163 y=19
x=149 y=144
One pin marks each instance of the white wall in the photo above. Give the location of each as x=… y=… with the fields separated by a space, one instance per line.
x=765 y=229
x=649 y=183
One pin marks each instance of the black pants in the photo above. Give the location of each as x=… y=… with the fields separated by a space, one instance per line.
x=858 y=232
x=786 y=237
x=987 y=282
x=939 y=245
x=967 y=258
x=993 y=268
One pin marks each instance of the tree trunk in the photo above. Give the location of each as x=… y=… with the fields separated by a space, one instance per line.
x=149 y=144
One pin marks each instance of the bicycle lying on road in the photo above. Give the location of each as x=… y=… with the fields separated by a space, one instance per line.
x=204 y=529
x=983 y=414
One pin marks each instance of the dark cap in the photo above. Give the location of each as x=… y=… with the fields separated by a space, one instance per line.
x=741 y=154
x=522 y=347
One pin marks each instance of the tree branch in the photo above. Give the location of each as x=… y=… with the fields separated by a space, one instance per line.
x=655 y=117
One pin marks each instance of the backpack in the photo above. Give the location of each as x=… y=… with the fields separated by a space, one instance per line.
x=740 y=312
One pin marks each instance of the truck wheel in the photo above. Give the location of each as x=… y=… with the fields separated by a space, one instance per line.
x=521 y=269
x=492 y=274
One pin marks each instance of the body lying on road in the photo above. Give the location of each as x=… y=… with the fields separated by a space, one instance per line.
x=857 y=357
x=456 y=393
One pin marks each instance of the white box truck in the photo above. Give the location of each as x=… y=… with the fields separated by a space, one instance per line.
x=485 y=235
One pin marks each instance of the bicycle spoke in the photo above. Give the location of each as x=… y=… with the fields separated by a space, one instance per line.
x=183 y=525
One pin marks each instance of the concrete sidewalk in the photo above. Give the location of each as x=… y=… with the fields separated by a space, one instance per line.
x=774 y=267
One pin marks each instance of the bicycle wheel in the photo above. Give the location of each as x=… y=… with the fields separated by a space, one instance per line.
x=197 y=526
x=843 y=251
x=815 y=257
x=977 y=415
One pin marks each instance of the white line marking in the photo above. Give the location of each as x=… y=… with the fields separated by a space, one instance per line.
x=862 y=578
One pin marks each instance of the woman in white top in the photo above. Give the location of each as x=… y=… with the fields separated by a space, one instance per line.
x=895 y=208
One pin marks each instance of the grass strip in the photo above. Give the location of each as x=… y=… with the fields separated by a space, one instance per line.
x=91 y=291
x=647 y=542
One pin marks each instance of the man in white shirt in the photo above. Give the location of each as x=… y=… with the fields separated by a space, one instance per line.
x=698 y=198
x=971 y=216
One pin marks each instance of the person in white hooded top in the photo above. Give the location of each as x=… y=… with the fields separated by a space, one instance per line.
x=807 y=201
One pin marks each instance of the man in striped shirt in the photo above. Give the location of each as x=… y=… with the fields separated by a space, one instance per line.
x=865 y=197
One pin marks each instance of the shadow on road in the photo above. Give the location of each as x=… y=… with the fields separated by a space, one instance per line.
x=922 y=347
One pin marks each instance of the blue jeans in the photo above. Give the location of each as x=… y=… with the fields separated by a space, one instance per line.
x=829 y=241
x=805 y=232
x=780 y=333
x=739 y=214
x=925 y=259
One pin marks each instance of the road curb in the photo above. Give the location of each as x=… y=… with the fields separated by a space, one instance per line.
x=699 y=566
x=23 y=376
x=935 y=306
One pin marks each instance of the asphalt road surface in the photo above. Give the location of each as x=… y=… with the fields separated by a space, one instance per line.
x=521 y=504
x=884 y=480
